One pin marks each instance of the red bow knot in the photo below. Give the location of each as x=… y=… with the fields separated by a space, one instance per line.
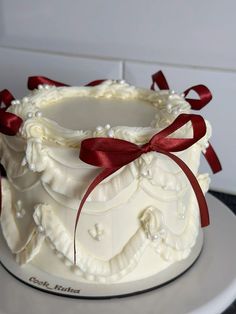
x=111 y=154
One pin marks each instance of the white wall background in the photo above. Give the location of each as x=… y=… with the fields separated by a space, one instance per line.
x=77 y=41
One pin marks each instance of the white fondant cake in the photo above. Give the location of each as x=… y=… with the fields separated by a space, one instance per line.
x=136 y=223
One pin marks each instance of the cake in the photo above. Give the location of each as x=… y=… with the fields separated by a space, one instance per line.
x=140 y=220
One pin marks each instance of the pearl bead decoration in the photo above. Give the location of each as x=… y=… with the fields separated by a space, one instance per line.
x=25 y=99
x=169 y=107
x=30 y=115
x=32 y=167
x=110 y=133
x=20 y=212
x=181 y=216
x=15 y=102
x=19 y=215
x=41 y=229
x=99 y=128
x=38 y=114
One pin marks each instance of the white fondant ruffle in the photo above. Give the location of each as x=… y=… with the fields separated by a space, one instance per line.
x=25 y=250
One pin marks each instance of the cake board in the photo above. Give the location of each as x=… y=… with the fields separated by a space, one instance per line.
x=36 y=278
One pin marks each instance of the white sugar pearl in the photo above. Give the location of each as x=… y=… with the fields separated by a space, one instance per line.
x=99 y=128
x=19 y=203
x=144 y=173
x=32 y=167
x=110 y=133
x=182 y=95
x=155 y=237
x=172 y=92
x=40 y=86
x=29 y=115
x=17 y=102
x=38 y=114
x=25 y=99
x=107 y=126
x=13 y=102
x=41 y=229
x=169 y=106
x=181 y=216
x=46 y=86
x=19 y=215
x=122 y=81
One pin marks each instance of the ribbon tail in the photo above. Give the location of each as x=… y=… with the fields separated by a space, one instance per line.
x=95 y=83
x=99 y=178
x=212 y=159
x=204 y=214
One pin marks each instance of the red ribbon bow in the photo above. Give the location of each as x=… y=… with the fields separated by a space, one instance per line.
x=111 y=154
x=205 y=97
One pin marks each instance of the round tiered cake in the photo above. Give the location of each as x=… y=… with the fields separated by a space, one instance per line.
x=140 y=222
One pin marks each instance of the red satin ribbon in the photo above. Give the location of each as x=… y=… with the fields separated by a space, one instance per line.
x=111 y=154
x=35 y=81
x=205 y=97
x=203 y=92
x=9 y=123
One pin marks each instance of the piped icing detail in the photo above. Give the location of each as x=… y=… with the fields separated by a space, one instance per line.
x=38 y=126
x=152 y=232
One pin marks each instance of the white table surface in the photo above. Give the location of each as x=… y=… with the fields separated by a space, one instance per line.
x=208 y=287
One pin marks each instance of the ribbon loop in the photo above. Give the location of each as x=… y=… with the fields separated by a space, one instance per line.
x=202 y=91
x=161 y=141
x=6 y=98
x=204 y=94
x=9 y=122
x=159 y=79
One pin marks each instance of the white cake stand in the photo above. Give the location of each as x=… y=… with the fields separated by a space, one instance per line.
x=208 y=287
